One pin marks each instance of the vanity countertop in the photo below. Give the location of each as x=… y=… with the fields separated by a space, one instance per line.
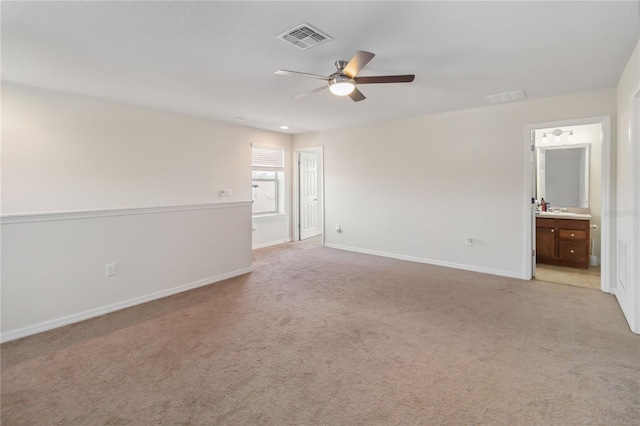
x=564 y=215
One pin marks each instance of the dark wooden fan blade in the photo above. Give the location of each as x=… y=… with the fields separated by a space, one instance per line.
x=357 y=95
x=311 y=92
x=359 y=60
x=302 y=74
x=385 y=79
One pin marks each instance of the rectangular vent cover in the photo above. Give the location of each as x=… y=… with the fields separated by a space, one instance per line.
x=304 y=36
x=517 y=95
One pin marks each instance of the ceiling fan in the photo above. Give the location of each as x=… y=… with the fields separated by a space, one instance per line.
x=343 y=82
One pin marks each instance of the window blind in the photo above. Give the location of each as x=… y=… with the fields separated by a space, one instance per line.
x=271 y=158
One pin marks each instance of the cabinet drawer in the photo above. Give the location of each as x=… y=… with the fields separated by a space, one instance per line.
x=544 y=222
x=573 y=224
x=573 y=234
x=574 y=251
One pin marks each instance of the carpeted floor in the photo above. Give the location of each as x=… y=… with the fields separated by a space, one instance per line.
x=327 y=337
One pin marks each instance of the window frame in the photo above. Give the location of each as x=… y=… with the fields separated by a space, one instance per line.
x=275 y=164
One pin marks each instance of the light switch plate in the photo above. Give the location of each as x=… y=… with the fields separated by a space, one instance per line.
x=110 y=270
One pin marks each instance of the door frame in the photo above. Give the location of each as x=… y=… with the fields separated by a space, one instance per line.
x=607 y=256
x=634 y=153
x=319 y=151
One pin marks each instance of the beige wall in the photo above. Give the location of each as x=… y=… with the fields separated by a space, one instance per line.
x=69 y=154
x=62 y=152
x=416 y=188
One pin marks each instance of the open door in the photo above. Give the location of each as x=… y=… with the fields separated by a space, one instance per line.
x=532 y=160
x=308 y=187
x=628 y=269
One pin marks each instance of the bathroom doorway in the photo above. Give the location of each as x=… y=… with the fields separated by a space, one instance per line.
x=569 y=194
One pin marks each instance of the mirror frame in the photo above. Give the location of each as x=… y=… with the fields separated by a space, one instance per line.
x=540 y=167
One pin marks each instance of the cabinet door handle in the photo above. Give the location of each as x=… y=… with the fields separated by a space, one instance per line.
x=573 y=235
x=553 y=230
x=572 y=251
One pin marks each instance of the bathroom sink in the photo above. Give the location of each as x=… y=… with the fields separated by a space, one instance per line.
x=568 y=215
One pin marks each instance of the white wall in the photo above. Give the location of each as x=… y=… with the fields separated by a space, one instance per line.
x=67 y=153
x=627 y=212
x=53 y=268
x=63 y=152
x=415 y=188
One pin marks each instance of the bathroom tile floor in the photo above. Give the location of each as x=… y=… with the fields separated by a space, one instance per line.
x=589 y=278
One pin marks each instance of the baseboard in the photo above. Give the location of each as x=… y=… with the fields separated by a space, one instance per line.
x=270 y=243
x=92 y=313
x=429 y=261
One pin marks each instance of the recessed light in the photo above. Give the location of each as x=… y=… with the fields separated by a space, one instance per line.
x=284 y=127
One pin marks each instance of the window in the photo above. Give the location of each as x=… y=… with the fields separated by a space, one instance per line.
x=267 y=180
x=265 y=191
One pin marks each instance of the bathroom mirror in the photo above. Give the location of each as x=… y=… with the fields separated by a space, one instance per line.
x=563 y=175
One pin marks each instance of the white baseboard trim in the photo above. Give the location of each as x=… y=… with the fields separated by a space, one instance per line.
x=270 y=243
x=92 y=313
x=429 y=261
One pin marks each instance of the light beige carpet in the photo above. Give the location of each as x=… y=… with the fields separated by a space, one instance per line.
x=327 y=337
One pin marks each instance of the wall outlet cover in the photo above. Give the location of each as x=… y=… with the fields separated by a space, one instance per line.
x=110 y=269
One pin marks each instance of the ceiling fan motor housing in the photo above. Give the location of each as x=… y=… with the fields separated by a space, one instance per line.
x=340 y=65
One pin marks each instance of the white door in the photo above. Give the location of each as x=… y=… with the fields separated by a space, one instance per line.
x=308 y=166
x=628 y=285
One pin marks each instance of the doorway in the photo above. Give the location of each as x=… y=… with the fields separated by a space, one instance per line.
x=308 y=194
x=558 y=248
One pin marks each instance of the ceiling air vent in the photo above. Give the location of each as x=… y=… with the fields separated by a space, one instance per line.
x=304 y=36
x=517 y=95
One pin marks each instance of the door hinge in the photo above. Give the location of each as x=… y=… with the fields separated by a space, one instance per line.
x=533 y=253
x=533 y=147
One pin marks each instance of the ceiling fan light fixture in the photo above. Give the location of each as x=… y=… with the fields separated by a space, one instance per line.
x=341 y=85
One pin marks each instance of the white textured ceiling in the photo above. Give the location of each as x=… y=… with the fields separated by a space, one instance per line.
x=217 y=59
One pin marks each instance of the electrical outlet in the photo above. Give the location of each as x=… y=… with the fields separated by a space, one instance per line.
x=110 y=270
x=222 y=193
x=469 y=241
x=228 y=192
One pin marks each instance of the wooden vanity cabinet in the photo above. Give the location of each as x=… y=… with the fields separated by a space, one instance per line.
x=563 y=242
x=546 y=243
